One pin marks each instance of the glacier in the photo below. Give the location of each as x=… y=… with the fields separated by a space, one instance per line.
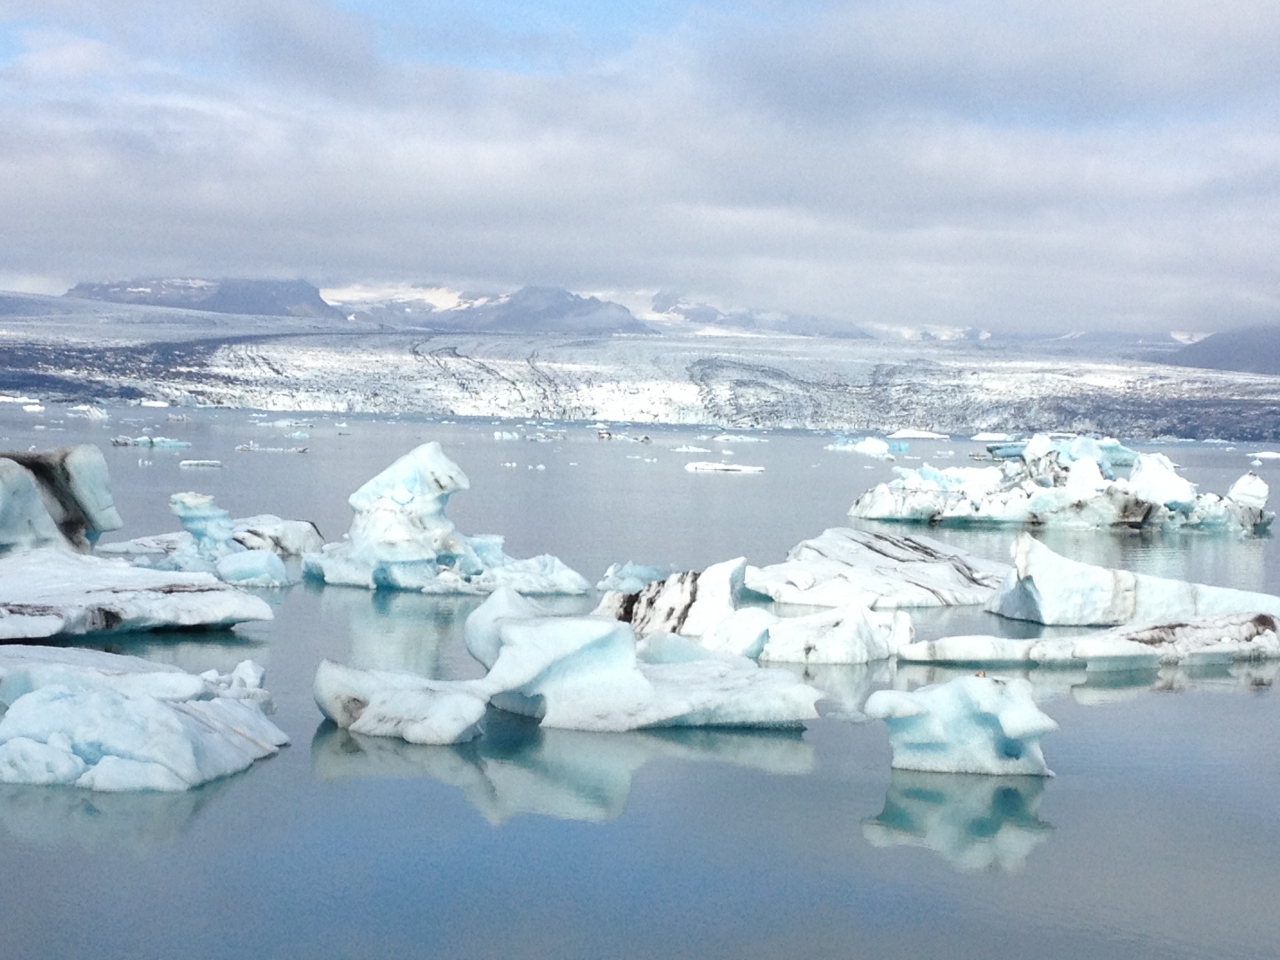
x=401 y=539
x=103 y=721
x=967 y=725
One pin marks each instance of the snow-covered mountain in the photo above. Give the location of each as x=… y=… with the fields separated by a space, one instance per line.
x=263 y=298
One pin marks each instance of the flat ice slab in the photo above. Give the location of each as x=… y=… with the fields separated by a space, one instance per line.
x=106 y=722
x=967 y=725
x=53 y=591
x=1226 y=639
x=1045 y=587
x=844 y=566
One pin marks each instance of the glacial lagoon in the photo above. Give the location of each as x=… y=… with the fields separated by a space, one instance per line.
x=1157 y=838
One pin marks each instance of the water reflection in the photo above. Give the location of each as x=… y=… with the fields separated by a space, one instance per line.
x=137 y=823
x=192 y=650
x=519 y=767
x=1092 y=687
x=975 y=822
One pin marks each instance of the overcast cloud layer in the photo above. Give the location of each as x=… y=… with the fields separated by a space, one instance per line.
x=999 y=163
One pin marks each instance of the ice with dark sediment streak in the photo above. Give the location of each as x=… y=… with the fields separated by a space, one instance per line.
x=567 y=672
x=1047 y=588
x=967 y=725
x=55 y=496
x=102 y=721
x=844 y=566
x=401 y=539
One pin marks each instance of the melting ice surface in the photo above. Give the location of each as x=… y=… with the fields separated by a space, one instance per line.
x=673 y=844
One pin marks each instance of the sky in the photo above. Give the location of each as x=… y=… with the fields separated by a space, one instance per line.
x=1057 y=165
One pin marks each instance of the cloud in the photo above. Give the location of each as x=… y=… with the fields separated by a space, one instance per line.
x=989 y=163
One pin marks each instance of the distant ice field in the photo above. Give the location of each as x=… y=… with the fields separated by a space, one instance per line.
x=1155 y=840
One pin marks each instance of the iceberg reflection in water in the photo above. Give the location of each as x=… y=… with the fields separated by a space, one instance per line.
x=519 y=767
x=976 y=822
x=136 y=823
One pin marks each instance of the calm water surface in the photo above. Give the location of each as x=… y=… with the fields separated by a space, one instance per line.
x=1158 y=837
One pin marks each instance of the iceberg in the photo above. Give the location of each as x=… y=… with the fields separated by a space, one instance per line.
x=843 y=567
x=167 y=443
x=1233 y=638
x=868 y=447
x=55 y=496
x=909 y=433
x=401 y=539
x=852 y=634
x=631 y=577
x=966 y=725
x=53 y=591
x=1064 y=485
x=566 y=672
x=1047 y=588
x=708 y=466
x=114 y=723
x=976 y=823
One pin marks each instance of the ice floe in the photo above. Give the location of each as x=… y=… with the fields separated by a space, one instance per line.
x=967 y=725
x=1045 y=587
x=851 y=634
x=166 y=443
x=401 y=539
x=567 y=672
x=909 y=433
x=708 y=466
x=1224 y=639
x=974 y=822
x=868 y=447
x=50 y=591
x=843 y=566
x=1068 y=487
x=114 y=723
x=56 y=496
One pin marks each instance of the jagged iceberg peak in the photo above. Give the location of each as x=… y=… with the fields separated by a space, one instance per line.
x=967 y=725
x=1055 y=483
x=401 y=539
x=1048 y=588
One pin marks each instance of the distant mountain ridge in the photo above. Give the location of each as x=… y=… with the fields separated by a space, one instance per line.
x=1245 y=350
x=264 y=298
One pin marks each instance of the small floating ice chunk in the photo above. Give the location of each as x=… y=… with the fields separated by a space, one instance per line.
x=505 y=435
x=852 y=634
x=868 y=447
x=908 y=433
x=387 y=704
x=200 y=464
x=990 y=437
x=967 y=725
x=704 y=466
x=738 y=438
x=688 y=449
x=631 y=577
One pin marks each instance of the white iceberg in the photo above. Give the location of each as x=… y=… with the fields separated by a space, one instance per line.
x=708 y=466
x=106 y=722
x=631 y=577
x=852 y=634
x=976 y=823
x=53 y=591
x=168 y=443
x=401 y=539
x=1044 y=587
x=868 y=447
x=577 y=673
x=1064 y=486
x=909 y=433
x=967 y=725
x=1241 y=637
x=843 y=567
